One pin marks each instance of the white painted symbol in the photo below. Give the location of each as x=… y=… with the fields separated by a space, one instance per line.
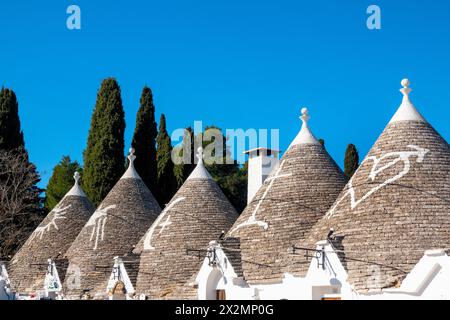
x=165 y=224
x=252 y=219
x=97 y=221
x=148 y=238
x=58 y=214
x=400 y=156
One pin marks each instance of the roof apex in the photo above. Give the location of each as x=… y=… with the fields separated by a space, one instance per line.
x=76 y=189
x=406 y=111
x=305 y=135
x=199 y=171
x=131 y=172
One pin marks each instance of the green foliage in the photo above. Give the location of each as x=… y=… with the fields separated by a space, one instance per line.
x=233 y=183
x=11 y=137
x=322 y=142
x=187 y=153
x=103 y=157
x=231 y=178
x=144 y=141
x=165 y=175
x=60 y=182
x=351 y=161
x=21 y=204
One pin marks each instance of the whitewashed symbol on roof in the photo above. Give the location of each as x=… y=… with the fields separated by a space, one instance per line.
x=148 y=238
x=165 y=224
x=252 y=219
x=97 y=221
x=398 y=156
x=58 y=214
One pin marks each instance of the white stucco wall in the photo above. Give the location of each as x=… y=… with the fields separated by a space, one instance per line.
x=429 y=279
x=5 y=293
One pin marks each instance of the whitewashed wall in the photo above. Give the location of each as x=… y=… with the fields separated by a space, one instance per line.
x=429 y=279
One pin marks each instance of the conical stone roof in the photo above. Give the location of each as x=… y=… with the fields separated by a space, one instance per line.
x=198 y=213
x=396 y=206
x=50 y=240
x=115 y=227
x=291 y=200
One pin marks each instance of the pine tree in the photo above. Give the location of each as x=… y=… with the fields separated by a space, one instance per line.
x=351 y=161
x=60 y=182
x=11 y=137
x=103 y=157
x=165 y=177
x=144 y=140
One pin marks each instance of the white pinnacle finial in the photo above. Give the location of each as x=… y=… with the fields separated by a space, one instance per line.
x=131 y=172
x=200 y=154
x=406 y=111
x=304 y=136
x=131 y=156
x=305 y=116
x=406 y=89
x=76 y=176
x=199 y=171
x=76 y=189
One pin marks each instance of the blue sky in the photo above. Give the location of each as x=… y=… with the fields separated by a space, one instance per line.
x=234 y=64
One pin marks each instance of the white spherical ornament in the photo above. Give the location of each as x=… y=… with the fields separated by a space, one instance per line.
x=405 y=83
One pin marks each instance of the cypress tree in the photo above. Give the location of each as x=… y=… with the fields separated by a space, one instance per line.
x=60 y=182
x=11 y=137
x=103 y=157
x=165 y=176
x=144 y=140
x=351 y=161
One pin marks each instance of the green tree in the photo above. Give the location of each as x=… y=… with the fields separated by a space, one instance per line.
x=322 y=142
x=231 y=178
x=103 y=157
x=165 y=176
x=60 y=182
x=187 y=154
x=20 y=198
x=351 y=161
x=144 y=140
x=11 y=136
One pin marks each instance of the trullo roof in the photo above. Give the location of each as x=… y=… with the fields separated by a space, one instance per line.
x=198 y=213
x=50 y=240
x=115 y=227
x=294 y=196
x=397 y=204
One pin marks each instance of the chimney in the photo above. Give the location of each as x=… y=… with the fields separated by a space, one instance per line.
x=261 y=162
